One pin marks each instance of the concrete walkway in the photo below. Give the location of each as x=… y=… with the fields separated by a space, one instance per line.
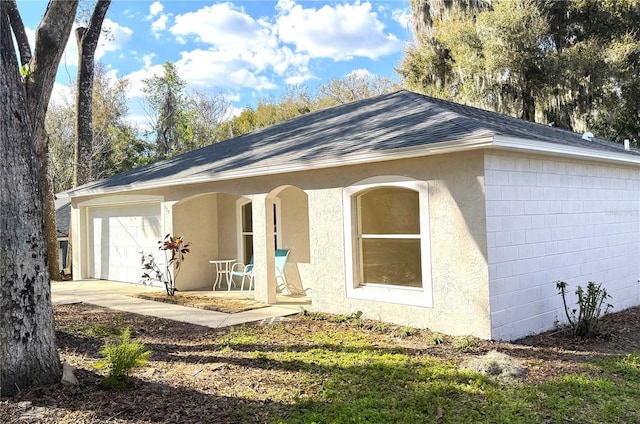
x=118 y=296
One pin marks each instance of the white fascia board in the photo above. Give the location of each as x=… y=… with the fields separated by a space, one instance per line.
x=369 y=157
x=537 y=146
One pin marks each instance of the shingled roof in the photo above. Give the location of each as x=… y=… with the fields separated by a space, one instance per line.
x=367 y=130
x=63 y=216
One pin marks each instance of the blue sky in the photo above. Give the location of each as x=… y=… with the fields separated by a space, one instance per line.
x=246 y=50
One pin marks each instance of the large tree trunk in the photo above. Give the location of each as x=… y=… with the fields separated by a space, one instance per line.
x=51 y=38
x=28 y=353
x=87 y=40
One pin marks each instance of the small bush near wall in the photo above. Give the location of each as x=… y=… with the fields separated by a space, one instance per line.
x=585 y=319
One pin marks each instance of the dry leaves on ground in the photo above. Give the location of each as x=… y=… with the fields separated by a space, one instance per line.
x=197 y=375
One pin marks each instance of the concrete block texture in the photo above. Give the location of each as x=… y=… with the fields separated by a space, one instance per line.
x=560 y=219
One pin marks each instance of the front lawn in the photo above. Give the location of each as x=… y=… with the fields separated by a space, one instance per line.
x=336 y=369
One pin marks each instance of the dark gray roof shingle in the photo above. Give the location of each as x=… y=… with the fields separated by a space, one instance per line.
x=372 y=126
x=63 y=216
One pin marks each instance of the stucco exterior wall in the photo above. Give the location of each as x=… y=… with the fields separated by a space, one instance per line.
x=456 y=236
x=227 y=240
x=294 y=235
x=196 y=219
x=459 y=280
x=551 y=219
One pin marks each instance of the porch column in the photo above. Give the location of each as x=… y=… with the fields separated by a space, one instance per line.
x=166 y=221
x=263 y=249
x=167 y=217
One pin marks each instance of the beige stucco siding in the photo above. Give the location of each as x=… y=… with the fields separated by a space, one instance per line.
x=459 y=280
x=196 y=219
x=293 y=227
x=206 y=215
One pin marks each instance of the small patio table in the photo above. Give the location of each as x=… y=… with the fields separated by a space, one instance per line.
x=223 y=270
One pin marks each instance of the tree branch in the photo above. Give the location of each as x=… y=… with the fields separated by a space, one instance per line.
x=95 y=24
x=18 y=31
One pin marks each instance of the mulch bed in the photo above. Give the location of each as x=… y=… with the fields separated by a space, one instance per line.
x=229 y=306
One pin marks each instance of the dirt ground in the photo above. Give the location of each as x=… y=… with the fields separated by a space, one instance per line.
x=193 y=378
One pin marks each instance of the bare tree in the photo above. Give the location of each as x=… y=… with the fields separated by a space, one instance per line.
x=28 y=353
x=87 y=40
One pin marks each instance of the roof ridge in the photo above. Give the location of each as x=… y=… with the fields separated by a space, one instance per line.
x=429 y=100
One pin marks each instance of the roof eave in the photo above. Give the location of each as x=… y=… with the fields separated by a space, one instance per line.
x=489 y=141
x=537 y=146
x=369 y=157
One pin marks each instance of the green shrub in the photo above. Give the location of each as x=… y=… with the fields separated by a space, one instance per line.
x=584 y=321
x=466 y=344
x=314 y=316
x=406 y=331
x=105 y=330
x=438 y=338
x=120 y=358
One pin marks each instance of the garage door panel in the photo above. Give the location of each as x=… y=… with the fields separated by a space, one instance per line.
x=119 y=234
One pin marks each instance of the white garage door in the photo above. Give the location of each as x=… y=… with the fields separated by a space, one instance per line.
x=118 y=235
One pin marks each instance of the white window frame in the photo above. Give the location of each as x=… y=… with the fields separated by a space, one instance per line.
x=414 y=296
x=240 y=203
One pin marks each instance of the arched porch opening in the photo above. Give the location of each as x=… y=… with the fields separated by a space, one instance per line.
x=287 y=225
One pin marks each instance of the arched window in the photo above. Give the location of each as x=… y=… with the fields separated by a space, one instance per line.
x=388 y=236
x=387 y=241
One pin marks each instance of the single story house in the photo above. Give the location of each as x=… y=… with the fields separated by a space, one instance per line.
x=413 y=210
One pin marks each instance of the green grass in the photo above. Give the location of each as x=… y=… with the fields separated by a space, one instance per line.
x=348 y=380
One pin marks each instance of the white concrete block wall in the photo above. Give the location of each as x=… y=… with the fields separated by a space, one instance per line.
x=550 y=219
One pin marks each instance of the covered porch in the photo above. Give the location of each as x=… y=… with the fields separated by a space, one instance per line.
x=228 y=228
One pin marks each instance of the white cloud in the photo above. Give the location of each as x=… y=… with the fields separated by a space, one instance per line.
x=239 y=50
x=62 y=95
x=226 y=25
x=298 y=79
x=230 y=49
x=155 y=8
x=160 y=23
x=147 y=59
x=136 y=79
x=70 y=55
x=113 y=37
x=403 y=17
x=339 y=32
x=159 y=19
x=221 y=68
x=360 y=73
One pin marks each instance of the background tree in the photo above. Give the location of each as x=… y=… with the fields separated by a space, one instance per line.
x=204 y=114
x=60 y=124
x=356 y=85
x=115 y=147
x=298 y=100
x=28 y=353
x=182 y=120
x=570 y=64
x=87 y=41
x=164 y=95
